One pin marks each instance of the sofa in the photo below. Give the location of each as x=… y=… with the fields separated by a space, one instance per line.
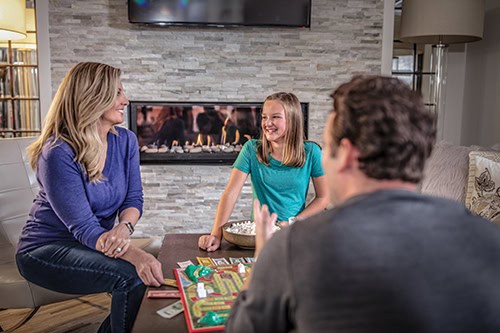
x=468 y=174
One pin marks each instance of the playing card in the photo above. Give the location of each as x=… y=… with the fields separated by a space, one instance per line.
x=220 y=261
x=170 y=282
x=171 y=311
x=249 y=259
x=205 y=261
x=184 y=264
x=163 y=294
x=236 y=260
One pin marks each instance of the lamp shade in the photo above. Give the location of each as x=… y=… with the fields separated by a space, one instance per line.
x=12 y=19
x=30 y=41
x=442 y=21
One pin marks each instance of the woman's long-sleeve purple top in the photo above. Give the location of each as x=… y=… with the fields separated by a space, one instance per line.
x=69 y=207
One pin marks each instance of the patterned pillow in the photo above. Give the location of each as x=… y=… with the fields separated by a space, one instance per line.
x=483 y=187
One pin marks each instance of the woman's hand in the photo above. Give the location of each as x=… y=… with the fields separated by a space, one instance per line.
x=264 y=223
x=209 y=243
x=147 y=266
x=115 y=242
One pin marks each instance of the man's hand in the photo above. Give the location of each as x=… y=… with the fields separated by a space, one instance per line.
x=263 y=225
x=209 y=243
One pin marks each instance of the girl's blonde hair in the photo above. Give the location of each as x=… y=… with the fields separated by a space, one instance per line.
x=294 y=154
x=86 y=92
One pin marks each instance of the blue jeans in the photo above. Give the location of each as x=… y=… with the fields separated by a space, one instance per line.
x=72 y=268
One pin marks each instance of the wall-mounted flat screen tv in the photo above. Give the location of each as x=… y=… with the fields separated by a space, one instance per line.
x=290 y=13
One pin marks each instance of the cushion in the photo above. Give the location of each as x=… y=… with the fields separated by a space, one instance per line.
x=445 y=173
x=483 y=185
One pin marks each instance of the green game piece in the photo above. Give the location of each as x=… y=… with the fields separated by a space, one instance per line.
x=204 y=271
x=191 y=273
x=211 y=319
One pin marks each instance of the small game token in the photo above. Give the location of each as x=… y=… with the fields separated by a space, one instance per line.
x=163 y=294
x=241 y=268
x=220 y=261
x=171 y=311
x=236 y=260
x=202 y=293
x=184 y=264
x=200 y=290
x=170 y=282
x=205 y=261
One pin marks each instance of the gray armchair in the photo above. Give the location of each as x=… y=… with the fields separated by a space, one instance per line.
x=18 y=186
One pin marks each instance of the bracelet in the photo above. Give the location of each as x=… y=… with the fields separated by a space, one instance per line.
x=292 y=219
x=129 y=226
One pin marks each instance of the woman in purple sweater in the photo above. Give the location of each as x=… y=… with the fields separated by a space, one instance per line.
x=89 y=177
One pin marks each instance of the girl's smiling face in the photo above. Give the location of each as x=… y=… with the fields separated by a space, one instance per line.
x=273 y=121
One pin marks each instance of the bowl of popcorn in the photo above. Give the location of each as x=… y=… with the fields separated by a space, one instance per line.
x=241 y=233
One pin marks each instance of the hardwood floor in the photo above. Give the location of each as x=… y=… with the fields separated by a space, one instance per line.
x=81 y=315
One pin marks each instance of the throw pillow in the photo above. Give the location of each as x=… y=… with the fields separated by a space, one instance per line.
x=483 y=186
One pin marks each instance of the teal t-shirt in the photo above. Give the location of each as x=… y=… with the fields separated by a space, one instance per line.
x=282 y=188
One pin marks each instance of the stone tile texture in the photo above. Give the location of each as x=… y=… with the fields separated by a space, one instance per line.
x=232 y=64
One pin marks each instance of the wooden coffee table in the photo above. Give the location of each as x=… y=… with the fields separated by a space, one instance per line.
x=175 y=248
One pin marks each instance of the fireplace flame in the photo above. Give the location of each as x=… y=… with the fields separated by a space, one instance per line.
x=208 y=140
x=224 y=134
x=175 y=143
x=236 y=137
x=199 y=141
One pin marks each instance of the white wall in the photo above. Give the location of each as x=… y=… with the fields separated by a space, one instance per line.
x=42 y=21
x=450 y=122
x=481 y=94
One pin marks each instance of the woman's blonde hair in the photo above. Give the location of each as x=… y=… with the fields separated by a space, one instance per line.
x=86 y=92
x=294 y=154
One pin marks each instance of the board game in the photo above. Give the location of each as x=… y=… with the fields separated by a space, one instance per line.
x=211 y=295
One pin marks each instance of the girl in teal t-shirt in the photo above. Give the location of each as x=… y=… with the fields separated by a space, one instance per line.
x=280 y=165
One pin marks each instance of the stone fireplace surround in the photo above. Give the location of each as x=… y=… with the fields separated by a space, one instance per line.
x=214 y=64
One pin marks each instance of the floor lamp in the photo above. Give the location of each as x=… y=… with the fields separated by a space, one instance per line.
x=12 y=19
x=440 y=23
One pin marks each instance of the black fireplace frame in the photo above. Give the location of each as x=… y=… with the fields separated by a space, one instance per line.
x=196 y=158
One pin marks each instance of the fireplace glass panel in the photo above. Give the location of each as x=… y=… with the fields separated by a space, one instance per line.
x=207 y=132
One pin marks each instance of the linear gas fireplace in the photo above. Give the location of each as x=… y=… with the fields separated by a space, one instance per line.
x=195 y=132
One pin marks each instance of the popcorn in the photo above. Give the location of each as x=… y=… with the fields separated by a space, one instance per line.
x=245 y=228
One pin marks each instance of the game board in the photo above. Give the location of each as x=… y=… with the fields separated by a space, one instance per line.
x=222 y=284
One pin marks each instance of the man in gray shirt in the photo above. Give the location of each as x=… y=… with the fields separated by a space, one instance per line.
x=386 y=258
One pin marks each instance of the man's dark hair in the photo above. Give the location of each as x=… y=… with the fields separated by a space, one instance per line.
x=388 y=123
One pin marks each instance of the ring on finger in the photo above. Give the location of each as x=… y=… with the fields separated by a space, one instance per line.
x=118 y=249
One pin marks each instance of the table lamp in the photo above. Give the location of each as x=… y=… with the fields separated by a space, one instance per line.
x=440 y=23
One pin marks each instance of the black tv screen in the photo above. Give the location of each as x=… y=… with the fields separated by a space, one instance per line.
x=292 y=13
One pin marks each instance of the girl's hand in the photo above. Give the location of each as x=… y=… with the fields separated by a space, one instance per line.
x=209 y=243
